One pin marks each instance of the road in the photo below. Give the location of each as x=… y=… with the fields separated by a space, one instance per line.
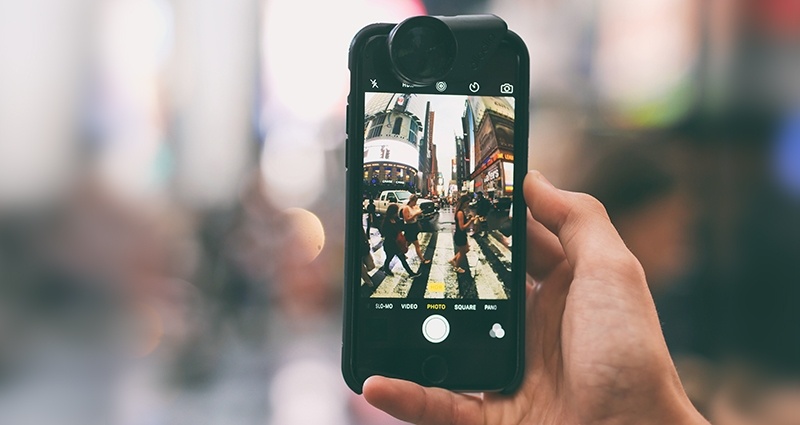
x=486 y=276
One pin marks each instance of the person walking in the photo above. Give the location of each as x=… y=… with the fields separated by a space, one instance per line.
x=391 y=229
x=367 y=262
x=370 y=215
x=482 y=209
x=460 y=234
x=411 y=212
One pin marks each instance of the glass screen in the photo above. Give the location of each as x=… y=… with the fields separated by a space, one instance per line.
x=438 y=179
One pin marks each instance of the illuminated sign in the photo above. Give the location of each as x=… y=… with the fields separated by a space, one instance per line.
x=508 y=176
x=391 y=150
x=492 y=174
x=505 y=156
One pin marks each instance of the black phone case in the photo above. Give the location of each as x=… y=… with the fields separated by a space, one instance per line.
x=352 y=239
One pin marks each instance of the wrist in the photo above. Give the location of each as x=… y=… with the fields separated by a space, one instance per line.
x=681 y=412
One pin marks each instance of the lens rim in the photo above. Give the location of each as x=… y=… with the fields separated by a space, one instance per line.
x=402 y=29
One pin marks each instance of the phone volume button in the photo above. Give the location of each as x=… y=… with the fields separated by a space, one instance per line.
x=347 y=139
x=346 y=153
x=347 y=119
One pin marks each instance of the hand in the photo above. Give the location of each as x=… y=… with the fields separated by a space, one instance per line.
x=595 y=352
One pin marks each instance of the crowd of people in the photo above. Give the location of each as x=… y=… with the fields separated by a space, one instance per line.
x=400 y=227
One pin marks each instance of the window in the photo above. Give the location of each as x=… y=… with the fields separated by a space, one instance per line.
x=375 y=131
x=412 y=133
x=379 y=120
x=398 y=122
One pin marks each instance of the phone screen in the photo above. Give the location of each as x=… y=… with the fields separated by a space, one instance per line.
x=436 y=293
x=438 y=175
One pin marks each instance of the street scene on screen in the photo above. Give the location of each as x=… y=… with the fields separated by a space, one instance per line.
x=437 y=194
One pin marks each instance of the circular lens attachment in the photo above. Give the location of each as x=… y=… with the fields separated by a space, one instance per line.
x=422 y=50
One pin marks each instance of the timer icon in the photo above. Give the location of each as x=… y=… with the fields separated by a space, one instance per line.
x=474 y=86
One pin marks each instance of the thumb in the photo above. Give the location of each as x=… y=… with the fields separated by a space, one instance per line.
x=591 y=243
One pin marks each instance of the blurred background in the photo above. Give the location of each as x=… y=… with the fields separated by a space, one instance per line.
x=172 y=195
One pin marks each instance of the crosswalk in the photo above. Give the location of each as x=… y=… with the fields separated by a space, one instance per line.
x=489 y=265
x=399 y=285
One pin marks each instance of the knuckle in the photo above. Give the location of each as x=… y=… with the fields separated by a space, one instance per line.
x=631 y=267
x=592 y=204
x=620 y=263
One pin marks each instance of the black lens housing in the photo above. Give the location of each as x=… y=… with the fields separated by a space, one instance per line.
x=426 y=49
x=422 y=50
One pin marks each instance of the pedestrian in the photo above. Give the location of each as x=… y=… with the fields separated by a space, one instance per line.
x=370 y=215
x=482 y=209
x=367 y=262
x=411 y=212
x=460 y=234
x=391 y=229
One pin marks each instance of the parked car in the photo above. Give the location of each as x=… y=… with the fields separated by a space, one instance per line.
x=387 y=197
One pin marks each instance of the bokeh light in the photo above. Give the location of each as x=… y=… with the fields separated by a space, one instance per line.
x=288 y=183
x=306 y=234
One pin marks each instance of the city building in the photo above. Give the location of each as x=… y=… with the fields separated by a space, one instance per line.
x=424 y=171
x=489 y=145
x=432 y=164
x=434 y=174
x=392 y=128
x=460 y=165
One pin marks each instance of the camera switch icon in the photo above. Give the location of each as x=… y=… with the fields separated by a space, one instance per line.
x=497 y=331
x=506 y=88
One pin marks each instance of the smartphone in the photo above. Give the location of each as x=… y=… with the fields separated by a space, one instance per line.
x=437 y=128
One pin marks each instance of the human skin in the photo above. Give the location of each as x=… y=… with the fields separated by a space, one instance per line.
x=411 y=212
x=595 y=353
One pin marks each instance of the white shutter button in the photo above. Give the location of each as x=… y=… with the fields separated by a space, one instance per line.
x=435 y=328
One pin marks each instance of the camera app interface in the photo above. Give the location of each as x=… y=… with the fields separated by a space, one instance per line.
x=438 y=177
